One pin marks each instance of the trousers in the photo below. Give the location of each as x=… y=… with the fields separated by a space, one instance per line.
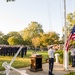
x=51 y=64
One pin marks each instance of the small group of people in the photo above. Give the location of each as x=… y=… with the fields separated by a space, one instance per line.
x=51 y=51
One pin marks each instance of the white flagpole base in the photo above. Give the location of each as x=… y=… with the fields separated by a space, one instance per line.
x=66 y=59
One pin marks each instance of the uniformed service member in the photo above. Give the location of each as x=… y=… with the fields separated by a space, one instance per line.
x=51 y=59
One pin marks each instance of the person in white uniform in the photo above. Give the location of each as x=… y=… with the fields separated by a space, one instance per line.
x=51 y=59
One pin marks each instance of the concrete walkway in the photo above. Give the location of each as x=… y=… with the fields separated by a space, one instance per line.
x=58 y=70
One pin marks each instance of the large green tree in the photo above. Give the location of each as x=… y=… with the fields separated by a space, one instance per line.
x=69 y=25
x=33 y=30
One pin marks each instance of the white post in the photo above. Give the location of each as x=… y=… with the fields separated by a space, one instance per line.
x=57 y=57
x=65 y=59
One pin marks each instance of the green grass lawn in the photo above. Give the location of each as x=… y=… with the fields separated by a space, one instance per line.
x=25 y=61
x=71 y=73
x=21 y=62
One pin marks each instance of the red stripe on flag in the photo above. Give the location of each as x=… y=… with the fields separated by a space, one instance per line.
x=73 y=37
x=67 y=43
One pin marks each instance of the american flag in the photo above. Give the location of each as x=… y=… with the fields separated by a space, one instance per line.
x=71 y=37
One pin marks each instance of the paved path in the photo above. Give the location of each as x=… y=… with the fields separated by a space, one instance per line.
x=58 y=70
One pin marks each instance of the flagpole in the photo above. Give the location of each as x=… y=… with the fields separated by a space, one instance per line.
x=65 y=59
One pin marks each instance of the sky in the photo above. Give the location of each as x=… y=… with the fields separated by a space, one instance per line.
x=15 y=16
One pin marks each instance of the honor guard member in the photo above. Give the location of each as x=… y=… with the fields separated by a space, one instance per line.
x=22 y=51
x=25 y=50
x=51 y=59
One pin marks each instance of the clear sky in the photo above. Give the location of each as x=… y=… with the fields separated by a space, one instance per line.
x=15 y=16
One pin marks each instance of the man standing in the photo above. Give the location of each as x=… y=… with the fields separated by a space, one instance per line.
x=51 y=59
x=73 y=56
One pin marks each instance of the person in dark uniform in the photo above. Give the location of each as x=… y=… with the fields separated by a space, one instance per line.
x=3 y=48
x=22 y=51
x=73 y=56
x=51 y=59
x=0 y=50
x=25 y=50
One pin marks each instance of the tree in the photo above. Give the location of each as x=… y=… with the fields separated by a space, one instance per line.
x=5 y=37
x=1 y=40
x=14 y=41
x=49 y=38
x=71 y=18
x=15 y=38
x=33 y=30
x=14 y=33
x=69 y=25
x=43 y=39
x=36 y=41
x=70 y=22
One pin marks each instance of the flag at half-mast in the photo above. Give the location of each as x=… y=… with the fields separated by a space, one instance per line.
x=71 y=37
